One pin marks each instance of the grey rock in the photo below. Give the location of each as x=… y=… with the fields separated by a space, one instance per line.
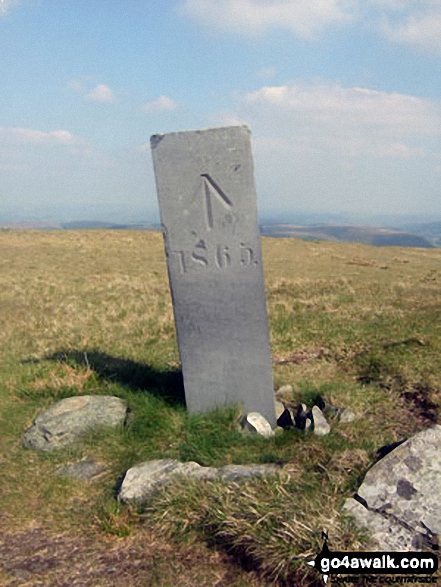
x=255 y=422
x=207 y=199
x=400 y=495
x=320 y=424
x=85 y=470
x=347 y=416
x=143 y=480
x=385 y=534
x=65 y=421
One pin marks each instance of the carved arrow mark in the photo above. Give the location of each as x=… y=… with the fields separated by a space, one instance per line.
x=211 y=188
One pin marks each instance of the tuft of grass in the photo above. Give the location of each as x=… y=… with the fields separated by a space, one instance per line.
x=272 y=523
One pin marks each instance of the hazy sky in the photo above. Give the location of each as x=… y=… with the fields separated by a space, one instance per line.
x=343 y=98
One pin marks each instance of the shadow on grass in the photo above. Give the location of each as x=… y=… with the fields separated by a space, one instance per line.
x=167 y=385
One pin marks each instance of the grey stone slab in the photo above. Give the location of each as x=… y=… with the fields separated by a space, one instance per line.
x=64 y=422
x=143 y=480
x=206 y=193
x=400 y=494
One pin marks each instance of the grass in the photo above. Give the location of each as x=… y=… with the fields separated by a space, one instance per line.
x=89 y=312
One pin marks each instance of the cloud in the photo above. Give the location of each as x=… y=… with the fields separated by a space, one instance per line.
x=423 y=31
x=29 y=136
x=350 y=122
x=413 y=22
x=6 y=6
x=161 y=104
x=254 y=17
x=101 y=93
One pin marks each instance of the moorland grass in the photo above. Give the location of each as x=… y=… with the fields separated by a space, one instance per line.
x=89 y=312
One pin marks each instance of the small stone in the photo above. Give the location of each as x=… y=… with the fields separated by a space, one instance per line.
x=321 y=426
x=347 y=416
x=255 y=422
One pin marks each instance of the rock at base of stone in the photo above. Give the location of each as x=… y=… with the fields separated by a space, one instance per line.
x=401 y=495
x=142 y=480
x=65 y=421
x=255 y=422
x=320 y=426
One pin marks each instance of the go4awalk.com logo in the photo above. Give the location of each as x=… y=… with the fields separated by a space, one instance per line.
x=376 y=563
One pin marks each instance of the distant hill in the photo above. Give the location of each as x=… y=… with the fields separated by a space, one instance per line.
x=91 y=224
x=78 y=225
x=378 y=236
x=424 y=235
x=429 y=230
x=30 y=225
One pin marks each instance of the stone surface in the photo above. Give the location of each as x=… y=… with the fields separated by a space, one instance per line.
x=142 y=480
x=65 y=421
x=207 y=200
x=85 y=470
x=255 y=422
x=320 y=424
x=400 y=495
x=347 y=416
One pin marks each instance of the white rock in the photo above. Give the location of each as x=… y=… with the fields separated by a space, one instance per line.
x=255 y=422
x=321 y=426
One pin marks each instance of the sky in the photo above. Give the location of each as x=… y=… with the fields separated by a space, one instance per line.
x=343 y=98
